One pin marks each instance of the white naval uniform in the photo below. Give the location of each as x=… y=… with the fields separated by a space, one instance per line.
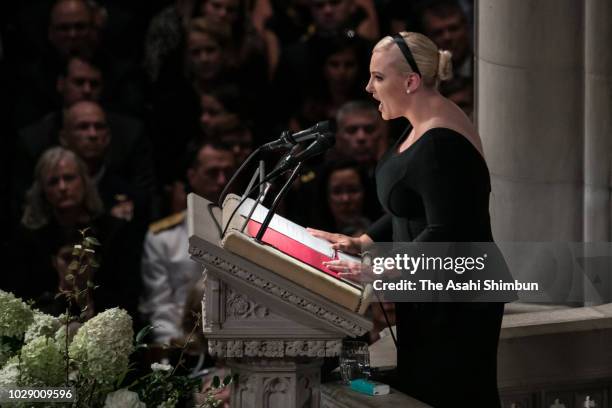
x=168 y=274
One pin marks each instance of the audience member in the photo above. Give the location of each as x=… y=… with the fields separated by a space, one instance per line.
x=234 y=133
x=342 y=188
x=341 y=77
x=357 y=15
x=362 y=134
x=445 y=22
x=168 y=272
x=219 y=103
x=85 y=131
x=71 y=28
x=62 y=202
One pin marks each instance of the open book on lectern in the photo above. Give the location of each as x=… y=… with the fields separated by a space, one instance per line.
x=290 y=251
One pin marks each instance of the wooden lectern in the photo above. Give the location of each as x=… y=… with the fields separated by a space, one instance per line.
x=270 y=325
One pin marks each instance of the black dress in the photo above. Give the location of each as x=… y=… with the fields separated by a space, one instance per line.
x=438 y=190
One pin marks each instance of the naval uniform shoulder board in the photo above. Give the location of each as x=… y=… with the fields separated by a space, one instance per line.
x=166 y=223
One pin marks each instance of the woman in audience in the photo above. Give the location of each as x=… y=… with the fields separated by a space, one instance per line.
x=342 y=189
x=219 y=103
x=61 y=205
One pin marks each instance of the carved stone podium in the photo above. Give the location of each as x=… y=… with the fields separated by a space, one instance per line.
x=270 y=331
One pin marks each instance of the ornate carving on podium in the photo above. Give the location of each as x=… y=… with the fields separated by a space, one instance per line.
x=283 y=384
x=277 y=391
x=239 y=306
x=274 y=348
x=278 y=291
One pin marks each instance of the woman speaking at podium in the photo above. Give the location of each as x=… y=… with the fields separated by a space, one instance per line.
x=434 y=185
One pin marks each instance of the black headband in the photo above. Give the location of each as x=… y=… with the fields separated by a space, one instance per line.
x=399 y=40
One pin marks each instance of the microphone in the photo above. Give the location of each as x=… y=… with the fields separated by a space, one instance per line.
x=320 y=145
x=287 y=139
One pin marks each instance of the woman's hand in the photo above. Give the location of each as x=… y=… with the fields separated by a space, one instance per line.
x=339 y=242
x=355 y=271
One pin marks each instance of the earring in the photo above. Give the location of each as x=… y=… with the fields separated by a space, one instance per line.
x=408 y=91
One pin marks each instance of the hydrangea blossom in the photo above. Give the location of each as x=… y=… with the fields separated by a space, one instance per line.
x=15 y=316
x=123 y=398
x=42 y=362
x=9 y=374
x=102 y=346
x=60 y=336
x=42 y=325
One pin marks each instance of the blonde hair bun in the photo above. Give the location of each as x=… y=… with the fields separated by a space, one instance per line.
x=445 y=66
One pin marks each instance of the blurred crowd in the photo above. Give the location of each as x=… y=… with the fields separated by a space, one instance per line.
x=111 y=112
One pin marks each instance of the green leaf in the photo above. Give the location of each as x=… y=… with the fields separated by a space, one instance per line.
x=91 y=241
x=69 y=277
x=82 y=269
x=227 y=380
x=73 y=266
x=90 y=284
x=216 y=381
x=143 y=333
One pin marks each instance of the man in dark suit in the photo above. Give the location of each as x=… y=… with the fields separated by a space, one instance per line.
x=85 y=131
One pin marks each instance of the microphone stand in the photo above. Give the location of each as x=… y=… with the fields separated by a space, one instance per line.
x=263 y=191
x=277 y=200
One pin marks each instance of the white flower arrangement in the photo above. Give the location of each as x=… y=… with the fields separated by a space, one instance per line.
x=42 y=362
x=42 y=325
x=102 y=346
x=15 y=315
x=9 y=374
